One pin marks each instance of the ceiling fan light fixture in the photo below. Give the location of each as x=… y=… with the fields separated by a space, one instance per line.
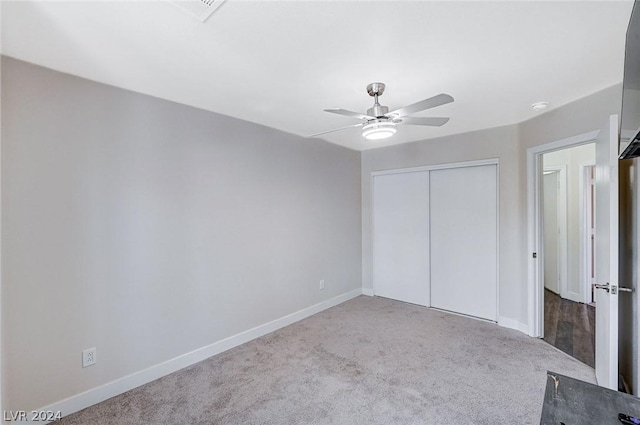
x=378 y=130
x=378 y=123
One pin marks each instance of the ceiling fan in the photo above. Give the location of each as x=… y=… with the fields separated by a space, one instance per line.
x=379 y=123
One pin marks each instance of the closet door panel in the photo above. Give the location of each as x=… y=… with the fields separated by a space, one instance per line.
x=401 y=236
x=463 y=240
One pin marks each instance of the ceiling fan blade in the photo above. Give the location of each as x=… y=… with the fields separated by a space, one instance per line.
x=337 y=129
x=432 y=102
x=358 y=115
x=431 y=121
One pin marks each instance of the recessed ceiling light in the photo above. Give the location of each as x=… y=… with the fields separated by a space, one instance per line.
x=540 y=106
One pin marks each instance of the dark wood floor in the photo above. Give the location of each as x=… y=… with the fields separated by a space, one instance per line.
x=570 y=327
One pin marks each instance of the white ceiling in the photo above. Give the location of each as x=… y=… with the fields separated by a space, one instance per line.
x=280 y=63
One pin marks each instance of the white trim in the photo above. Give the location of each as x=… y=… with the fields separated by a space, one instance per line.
x=580 y=139
x=534 y=165
x=563 y=247
x=509 y=323
x=2 y=375
x=533 y=266
x=585 y=256
x=367 y=291
x=497 y=238
x=373 y=233
x=635 y=220
x=445 y=166
x=573 y=296
x=96 y=395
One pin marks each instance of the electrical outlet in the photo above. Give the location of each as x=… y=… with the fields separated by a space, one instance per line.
x=89 y=357
x=321 y=285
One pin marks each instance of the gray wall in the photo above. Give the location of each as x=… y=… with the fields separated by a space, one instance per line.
x=149 y=229
x=510 y=145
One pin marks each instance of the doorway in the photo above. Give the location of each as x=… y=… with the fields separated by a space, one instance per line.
x=607 y=243
x=569 y=321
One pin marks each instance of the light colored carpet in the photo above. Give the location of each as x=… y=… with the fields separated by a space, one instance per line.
x=367 y=361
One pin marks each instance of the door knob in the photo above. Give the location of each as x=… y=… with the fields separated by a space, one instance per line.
x=614 y=289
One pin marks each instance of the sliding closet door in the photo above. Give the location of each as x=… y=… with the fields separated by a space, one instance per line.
x=401 y=237
x=464 y=244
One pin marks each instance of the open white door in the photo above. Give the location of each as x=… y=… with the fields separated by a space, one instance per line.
x=606 y=257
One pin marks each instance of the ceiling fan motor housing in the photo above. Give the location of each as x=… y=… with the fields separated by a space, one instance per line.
x=377 y=110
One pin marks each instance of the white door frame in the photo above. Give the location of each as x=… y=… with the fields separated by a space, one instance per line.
x=489 y=161
x=636 y=235
x=563 y=261
x=534 y=228
x=586 y=215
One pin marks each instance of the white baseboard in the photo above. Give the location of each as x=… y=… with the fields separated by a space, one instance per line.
x=367 y=291
x=573 y=296
x=506 y=322
x=96 y=395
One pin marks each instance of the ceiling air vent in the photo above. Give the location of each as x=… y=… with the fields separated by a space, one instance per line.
x=199 y=9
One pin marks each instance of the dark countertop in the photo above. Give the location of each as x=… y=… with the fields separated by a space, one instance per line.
x=569 y=401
